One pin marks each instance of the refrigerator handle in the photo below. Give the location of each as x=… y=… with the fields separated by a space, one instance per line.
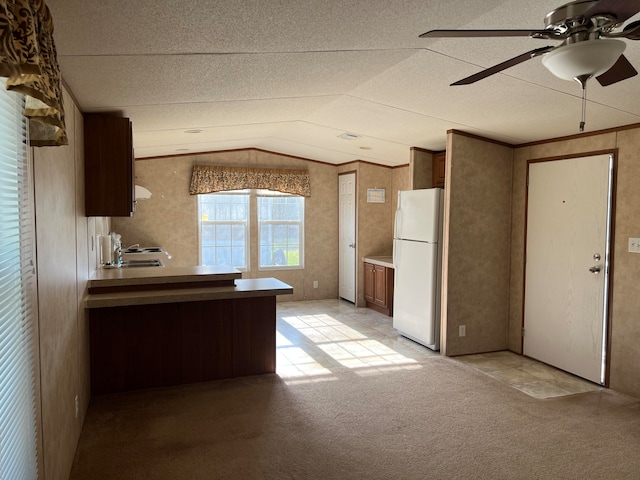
x=397 y=220
x=395 y=254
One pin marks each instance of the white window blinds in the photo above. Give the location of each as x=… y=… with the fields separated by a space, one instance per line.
x=18 y=451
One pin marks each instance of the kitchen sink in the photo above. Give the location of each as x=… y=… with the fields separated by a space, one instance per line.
x=142 y=263
x=144 y=250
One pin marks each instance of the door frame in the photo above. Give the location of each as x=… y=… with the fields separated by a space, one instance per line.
x=609 y=289
x=355 y=219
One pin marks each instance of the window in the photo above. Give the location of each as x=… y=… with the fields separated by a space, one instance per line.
x=227 y=219
x=224 y=229
x=280 y=218
x=18 y=451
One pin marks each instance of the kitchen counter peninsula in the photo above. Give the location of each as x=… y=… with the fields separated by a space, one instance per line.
x=160 y=326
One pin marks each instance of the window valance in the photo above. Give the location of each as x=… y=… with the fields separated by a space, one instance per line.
x=211 y=179
x=28 y=58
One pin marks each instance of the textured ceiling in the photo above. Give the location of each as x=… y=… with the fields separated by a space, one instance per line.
x=291 y=76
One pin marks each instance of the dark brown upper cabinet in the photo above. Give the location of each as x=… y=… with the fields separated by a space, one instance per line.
x=108 y=160
x=439 y=169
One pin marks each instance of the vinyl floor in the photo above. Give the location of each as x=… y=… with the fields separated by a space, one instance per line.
x=317 y=339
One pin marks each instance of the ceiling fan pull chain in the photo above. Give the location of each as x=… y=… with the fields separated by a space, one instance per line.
x=582 y=80
x=584 y=106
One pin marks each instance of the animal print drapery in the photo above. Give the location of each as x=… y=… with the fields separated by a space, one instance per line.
x=211 y=179
x=29 y=61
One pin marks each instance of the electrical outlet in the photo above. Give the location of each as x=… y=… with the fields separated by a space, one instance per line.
x=77 y=406
x=315 y=284
x=462 y=330
x=634 y=245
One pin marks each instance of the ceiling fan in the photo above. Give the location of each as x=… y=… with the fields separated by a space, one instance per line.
x=589 y=31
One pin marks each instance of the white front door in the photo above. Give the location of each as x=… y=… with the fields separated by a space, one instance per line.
x=567 y=254
x=347 y=236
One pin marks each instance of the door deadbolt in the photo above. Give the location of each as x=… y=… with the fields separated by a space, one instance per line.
x=596 y=257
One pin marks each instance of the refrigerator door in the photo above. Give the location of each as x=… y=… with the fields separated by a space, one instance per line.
x=416 y=292
x=418 y=215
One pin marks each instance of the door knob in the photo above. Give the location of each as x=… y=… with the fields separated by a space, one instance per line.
x=595 y=270
x=352 y=245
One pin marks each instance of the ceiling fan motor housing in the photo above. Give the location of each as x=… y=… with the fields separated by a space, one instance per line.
x=568 y=15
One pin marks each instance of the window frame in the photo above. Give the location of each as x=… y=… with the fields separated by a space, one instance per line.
x=300 y=223
x=247 y=223
x=253 y=240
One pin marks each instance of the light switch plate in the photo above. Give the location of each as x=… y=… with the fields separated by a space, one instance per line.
x=634 y=245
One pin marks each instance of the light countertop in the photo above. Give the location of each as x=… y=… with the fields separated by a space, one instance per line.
x=256 y=287
x=108 y=277
x=383 y=261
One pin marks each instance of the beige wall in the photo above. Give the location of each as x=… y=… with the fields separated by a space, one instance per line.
x=169 y=218
x=479 y=208
x=625 y=327
x=420 y=168
x=64 y=262
x=476 y=242
x=401 y=181
x=374 y=220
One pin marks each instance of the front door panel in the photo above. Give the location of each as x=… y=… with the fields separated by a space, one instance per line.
x=567 y=243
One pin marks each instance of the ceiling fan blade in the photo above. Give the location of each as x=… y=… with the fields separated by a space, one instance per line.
x=621 y=9
x=490 y=33
x=503 y=66
x=621 y=70
x=632 y=30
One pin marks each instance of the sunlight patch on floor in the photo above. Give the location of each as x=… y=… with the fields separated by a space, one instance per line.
x=327 y=343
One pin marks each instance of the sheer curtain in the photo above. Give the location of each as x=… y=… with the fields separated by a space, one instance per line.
x=18 y=434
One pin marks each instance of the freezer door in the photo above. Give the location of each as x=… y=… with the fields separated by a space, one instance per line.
x=418 y=215
x=416 y=293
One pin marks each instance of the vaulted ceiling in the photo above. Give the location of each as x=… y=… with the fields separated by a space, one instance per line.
x=293 y=76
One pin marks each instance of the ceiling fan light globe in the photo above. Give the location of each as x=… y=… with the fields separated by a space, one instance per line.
x=589 y=58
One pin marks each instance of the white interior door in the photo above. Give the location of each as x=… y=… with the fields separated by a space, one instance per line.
x=347 y=236
x=567 y=243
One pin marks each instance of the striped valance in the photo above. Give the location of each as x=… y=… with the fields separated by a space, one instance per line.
x=212 y=178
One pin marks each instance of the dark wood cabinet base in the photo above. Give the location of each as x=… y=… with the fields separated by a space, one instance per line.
x=384 y=310
x=148 y=346
x=378 y=288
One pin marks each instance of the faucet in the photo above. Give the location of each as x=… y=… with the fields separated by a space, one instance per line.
x=117 y=247
x=119 y=254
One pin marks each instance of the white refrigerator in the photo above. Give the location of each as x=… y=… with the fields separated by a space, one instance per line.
x=417 y=258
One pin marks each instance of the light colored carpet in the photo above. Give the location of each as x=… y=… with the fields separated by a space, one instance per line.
x=443 y=420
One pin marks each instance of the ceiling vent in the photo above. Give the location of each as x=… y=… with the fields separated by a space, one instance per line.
x=349 y=136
